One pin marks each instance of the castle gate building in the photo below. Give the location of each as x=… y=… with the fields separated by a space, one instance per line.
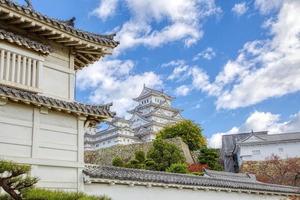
x=41 y=124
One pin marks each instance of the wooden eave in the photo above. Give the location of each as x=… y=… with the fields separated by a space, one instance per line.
x=86 y=47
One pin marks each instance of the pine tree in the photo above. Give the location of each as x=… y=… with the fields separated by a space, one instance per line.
x=14 y=178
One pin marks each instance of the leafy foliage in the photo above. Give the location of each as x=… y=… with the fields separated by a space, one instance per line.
x=164 y=154
x=118 y=162
x=275 y=170
x=42 y=194
x=161 y=156
x=211 y=158
x=14 y=178
x=16 y=182
x=188 y=131
x=197 y=167
x=180 y=168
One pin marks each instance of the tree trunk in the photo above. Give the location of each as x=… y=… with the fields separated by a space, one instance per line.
x=10 y=191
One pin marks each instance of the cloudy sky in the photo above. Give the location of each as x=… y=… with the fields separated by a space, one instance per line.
x=233 y=66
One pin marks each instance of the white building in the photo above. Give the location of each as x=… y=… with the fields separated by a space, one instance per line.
x=153 y=112
x=41 y=124
x=263 y=146
x=258 y=146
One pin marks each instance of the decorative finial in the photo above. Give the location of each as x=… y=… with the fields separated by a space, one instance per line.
x=144 y=85
x=69 y=22
x=29 y=4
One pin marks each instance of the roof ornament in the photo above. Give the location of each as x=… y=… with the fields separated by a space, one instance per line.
x=69 y=22
x=29 y=4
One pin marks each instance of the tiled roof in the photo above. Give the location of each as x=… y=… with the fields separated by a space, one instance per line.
x=24 y=42
x=272 y=138
x=105 y=40
x=59 y=105
x=125 y=174
x=230 y=176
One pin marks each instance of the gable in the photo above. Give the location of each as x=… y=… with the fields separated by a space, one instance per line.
x=252 y=138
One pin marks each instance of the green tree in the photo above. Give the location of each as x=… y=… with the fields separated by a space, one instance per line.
x=140 y=156
x=118 y=162
x=180 y=168
x=211 y=157
x=14 y=178
x=164 y=154
x=188 y=131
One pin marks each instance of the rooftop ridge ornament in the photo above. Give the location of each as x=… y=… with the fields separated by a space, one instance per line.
x=29 y=4
x=69 y=22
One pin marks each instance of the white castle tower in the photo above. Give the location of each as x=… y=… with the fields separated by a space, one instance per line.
x=153 y=112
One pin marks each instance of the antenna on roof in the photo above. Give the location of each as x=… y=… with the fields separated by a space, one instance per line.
x=29 y=4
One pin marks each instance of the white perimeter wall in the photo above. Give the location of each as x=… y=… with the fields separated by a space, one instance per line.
x=52 y=143
x=125 y=192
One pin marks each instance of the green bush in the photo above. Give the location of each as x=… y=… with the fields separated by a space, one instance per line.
x=140 y=156
x=188 y=131
x=180 y=168
x=5 y=197
x=198 y=173
x=211 y=157
x=150 y=164
x=118 y=162
x=42 y=194
x=164 y=154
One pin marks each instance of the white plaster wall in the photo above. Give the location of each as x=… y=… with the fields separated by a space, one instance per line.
x=125 y=192
x=290 y=150
x=52 y=143
x=58 y=79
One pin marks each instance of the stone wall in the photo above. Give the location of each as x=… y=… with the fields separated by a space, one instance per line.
x=126 y=152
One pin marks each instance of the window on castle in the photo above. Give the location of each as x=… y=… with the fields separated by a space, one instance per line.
x=19 y=68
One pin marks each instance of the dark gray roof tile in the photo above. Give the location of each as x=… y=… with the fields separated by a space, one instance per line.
x=125 y=174
x=75 y=107
x=24 y=42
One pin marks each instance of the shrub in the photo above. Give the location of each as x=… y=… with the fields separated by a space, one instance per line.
x=118 y=162
x=197 y=167
x=42 y=194
x=164 y=154
x=198 y=173
x=140 y=156
x=210 y=157
x=180 y=168
x=150 y=164
x=188 y=131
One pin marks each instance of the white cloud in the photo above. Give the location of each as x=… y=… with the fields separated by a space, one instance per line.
x=207 y=54
x=268 y=68
x=215 y=141
x=179 y=72
x=181 y=20
x=260 y=121
x=113 y=81
x=106 y=8
x=266 y=6
x=240 y=8
x=182 y=90
x=263 y=69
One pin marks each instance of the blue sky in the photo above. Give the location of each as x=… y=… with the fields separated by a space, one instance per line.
x=232 y=65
